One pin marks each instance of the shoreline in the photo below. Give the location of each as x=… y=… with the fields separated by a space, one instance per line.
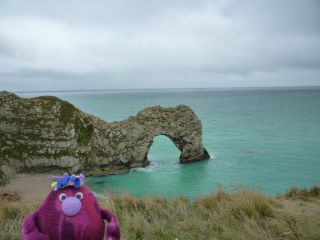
x=30 y=188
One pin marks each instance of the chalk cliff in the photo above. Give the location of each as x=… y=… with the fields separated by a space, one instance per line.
x=49 y=134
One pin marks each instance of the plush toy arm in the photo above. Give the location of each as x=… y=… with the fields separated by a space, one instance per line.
x=30 y=231
x=113 y=230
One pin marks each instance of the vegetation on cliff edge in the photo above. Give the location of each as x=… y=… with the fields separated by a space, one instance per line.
x=241 y=215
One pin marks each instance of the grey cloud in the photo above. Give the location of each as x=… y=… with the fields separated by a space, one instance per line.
x=129 y=44
x=5 y=49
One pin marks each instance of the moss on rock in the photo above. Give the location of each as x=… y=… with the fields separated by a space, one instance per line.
x=67 y=112
x=85 y=134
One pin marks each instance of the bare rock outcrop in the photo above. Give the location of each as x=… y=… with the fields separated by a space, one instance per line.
x=49 y=134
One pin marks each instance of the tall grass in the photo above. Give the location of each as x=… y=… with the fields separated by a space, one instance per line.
x=242 y=215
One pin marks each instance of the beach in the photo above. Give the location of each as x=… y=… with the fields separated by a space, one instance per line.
x=30 y=188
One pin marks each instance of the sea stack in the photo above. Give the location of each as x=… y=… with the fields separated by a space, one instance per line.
x=49 y=134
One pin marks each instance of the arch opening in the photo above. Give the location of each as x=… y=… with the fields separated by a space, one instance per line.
x=163 y=148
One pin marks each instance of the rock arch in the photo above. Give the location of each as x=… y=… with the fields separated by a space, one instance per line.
x=49 y=134
x=179 y=124
x=184 y=149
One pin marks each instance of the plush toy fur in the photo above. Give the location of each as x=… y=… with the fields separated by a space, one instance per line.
x=70 y=214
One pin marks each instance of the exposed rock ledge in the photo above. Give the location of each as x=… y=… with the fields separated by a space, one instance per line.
x=49 y=134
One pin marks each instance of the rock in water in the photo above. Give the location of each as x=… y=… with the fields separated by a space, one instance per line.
x=49 y=134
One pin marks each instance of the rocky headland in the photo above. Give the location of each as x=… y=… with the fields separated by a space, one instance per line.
x=47 y=134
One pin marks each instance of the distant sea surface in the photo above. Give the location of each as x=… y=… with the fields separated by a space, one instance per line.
x=261 y=139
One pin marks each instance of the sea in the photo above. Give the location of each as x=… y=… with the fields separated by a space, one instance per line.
x=261 y=139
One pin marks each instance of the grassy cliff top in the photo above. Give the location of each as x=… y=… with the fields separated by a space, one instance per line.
x=242 y=215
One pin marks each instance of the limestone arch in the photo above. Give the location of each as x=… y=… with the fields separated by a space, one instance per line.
x=180 y=124
x=189 y=152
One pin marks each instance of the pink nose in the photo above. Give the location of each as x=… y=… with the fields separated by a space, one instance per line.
x=71 y=206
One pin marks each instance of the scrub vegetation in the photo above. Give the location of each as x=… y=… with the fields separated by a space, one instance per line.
x=241 y=215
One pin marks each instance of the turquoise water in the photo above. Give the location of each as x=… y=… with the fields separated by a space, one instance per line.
x=262 y=139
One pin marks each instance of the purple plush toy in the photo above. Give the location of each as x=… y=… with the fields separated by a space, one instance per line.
x=70 y=212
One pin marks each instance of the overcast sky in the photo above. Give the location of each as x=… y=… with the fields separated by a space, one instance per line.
x=100 y=44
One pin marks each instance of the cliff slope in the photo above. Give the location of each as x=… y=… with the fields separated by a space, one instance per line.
x=49 y=134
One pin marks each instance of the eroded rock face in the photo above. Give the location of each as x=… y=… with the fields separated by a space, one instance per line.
x=49 y=134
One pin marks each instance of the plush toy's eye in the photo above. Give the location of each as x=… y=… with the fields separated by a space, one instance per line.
x=62 y=197
x=79 y=195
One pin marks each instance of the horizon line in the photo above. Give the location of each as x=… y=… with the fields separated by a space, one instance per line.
x=174 y=88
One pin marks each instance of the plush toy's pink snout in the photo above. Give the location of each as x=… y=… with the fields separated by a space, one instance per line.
x=71 y=206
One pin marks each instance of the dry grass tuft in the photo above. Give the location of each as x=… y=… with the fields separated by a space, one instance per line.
x=303 y=193
x=239 y=216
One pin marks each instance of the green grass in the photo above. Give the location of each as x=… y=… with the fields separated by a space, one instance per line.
x=67 y=109
x=85 y=132
x=242 y=215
